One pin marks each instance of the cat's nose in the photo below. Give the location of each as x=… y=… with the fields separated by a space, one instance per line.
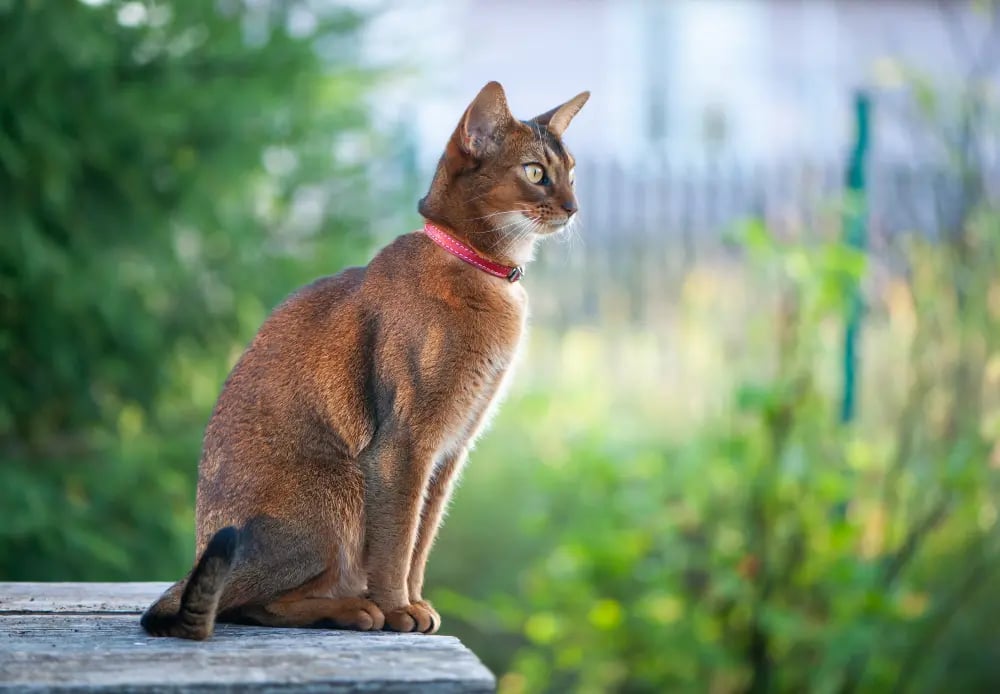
x=570 y=207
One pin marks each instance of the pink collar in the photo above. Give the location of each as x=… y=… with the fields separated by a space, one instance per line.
x=460 y=250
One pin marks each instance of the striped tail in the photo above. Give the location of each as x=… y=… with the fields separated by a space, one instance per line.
x=195 y=618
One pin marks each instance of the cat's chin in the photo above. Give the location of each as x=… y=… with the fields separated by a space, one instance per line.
x=555 y=227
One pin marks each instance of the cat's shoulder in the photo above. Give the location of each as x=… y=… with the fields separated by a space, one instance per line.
x=408 y=260
x=402 y=251
x=346 y=280
x=322 y=295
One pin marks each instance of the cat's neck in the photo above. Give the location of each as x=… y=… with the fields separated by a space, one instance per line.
x=506 y=239
x=520 y=251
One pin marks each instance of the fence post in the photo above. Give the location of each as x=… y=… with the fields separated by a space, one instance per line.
x=855 y=236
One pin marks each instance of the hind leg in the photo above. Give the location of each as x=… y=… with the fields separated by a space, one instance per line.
x=358 y=614
x=287 y=580
x=290 y=574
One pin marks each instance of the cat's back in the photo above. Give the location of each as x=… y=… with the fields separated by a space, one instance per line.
x=299 y=325
x=310 y=346
x=318 y=300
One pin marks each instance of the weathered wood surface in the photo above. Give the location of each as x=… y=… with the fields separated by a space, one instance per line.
x=86 y=637
x=87 y=598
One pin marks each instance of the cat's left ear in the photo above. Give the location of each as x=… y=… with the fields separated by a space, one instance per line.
x=557 y=120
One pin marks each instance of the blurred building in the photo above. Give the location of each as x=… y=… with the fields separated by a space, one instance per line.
x=752 y=80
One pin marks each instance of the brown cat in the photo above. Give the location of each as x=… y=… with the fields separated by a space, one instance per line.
x=333 y=448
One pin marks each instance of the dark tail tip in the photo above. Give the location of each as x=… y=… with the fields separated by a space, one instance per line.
x=222 y=545
x=195 y=618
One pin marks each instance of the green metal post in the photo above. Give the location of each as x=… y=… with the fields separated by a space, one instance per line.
x=856 y=236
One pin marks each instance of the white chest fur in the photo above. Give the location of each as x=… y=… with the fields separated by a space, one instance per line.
x=496 y=371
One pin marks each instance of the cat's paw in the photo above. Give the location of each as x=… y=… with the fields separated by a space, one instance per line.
x=364 y=616
x=414 y=617
x=434 y=615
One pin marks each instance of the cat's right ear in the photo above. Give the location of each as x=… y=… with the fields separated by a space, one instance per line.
x=479 y=131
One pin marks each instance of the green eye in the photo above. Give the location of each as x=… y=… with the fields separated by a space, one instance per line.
x=572 y=176
x=534 y=172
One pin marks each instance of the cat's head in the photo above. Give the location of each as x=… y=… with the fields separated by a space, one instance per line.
x=502 y=182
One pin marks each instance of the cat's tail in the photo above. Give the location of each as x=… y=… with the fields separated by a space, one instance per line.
x=194 y=618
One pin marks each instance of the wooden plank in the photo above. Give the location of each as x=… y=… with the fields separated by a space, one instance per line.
x=44 y=598
x=86 y=638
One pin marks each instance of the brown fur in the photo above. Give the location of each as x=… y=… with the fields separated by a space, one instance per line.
x=337 y=439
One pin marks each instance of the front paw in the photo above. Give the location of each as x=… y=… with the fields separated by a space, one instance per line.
x=434 y=615
x=419 y=617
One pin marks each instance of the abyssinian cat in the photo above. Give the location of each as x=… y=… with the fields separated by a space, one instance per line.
x=337 y=438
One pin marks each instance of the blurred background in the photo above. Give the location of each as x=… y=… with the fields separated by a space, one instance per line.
x=753 y=443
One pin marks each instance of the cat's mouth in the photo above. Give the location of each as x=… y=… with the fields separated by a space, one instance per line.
x=524 y=223
x=554 y=226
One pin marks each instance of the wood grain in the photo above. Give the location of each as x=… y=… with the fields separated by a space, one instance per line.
x=86 y=638
x=45 y=598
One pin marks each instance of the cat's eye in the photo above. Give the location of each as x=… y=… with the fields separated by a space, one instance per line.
x=535 y=173
x=572 y=176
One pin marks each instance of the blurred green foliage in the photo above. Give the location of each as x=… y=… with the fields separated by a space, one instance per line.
x=770 y=548
x=166 y=176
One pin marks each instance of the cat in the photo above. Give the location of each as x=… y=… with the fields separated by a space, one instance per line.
x=335 y=443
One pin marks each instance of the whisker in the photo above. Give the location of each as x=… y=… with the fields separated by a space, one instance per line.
x=478 y=197
x=577 y=241
x=502 y=231
x=502 y=237
x=527 y=226
x=499 y=229
x=513 y=223
x=517 y=224
x=487 y=216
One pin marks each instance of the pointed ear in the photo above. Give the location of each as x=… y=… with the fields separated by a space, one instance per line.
x=483 y=121
x=557 y=120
